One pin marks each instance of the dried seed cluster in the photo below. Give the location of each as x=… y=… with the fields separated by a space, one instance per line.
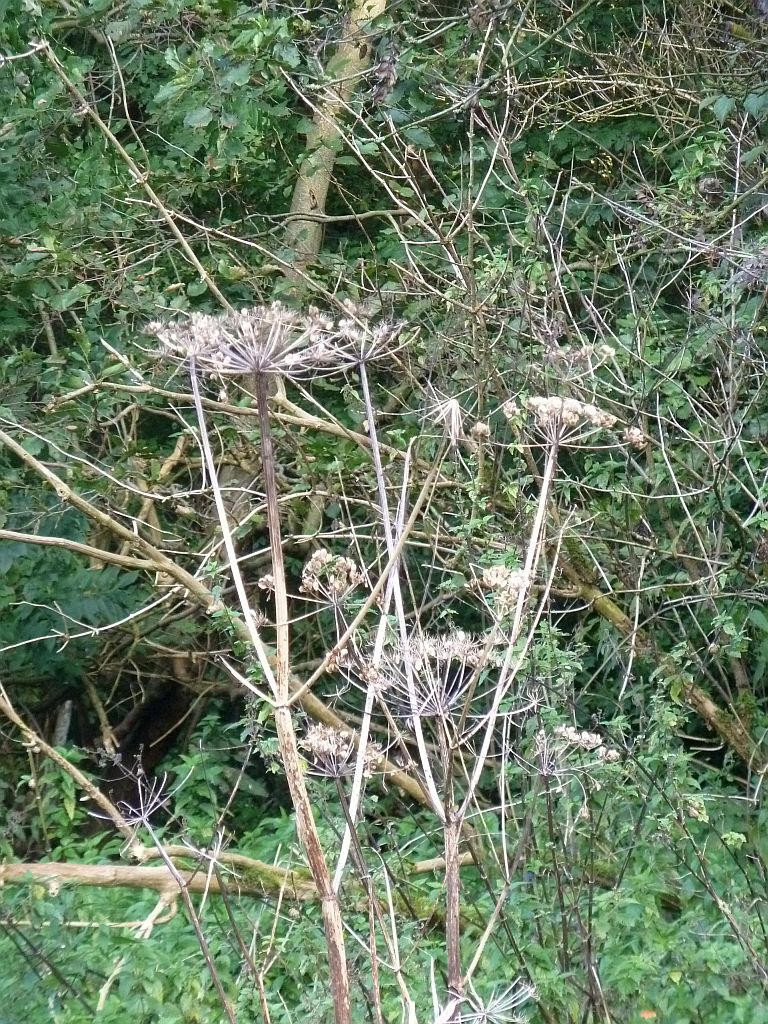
x=568 y=412
x=331 y=576
x=583 y=740
x=635 y=437
x=578 y=357
x=504 y=584
x=333 y=752
x=455 y=646
x=273 y=340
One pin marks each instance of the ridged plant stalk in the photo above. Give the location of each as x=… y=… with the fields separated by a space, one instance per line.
x=286 y=734
x=278 y=678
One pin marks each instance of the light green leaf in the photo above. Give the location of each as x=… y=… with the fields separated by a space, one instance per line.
x=201 y=117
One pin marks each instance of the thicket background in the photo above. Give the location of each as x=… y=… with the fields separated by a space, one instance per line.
x=547 y=201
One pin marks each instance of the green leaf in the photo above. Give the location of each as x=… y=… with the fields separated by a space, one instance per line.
x=69 y=298
x=756 y=104
x=236 y=76
x=201 y=117
x=419 y=137
x=169 y=91
x=758 y=618
x=723 y=107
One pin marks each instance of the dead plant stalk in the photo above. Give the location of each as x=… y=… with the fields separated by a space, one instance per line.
x=279 y=684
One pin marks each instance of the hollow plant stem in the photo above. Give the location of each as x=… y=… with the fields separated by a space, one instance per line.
x=451 y=838
x=286 y=733
x=226 y=533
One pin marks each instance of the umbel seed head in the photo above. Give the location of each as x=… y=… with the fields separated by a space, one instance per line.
x=273 y=340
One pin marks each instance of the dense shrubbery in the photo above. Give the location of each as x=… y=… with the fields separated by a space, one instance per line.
x=508 y=489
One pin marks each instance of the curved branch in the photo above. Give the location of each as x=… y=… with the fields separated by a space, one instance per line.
x=203 y=597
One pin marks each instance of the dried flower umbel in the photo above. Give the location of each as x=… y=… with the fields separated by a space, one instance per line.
x=330 y=576
x=585 y=357
x=635 y=437
x=333 y=752
x=273 y=340
x=441 y=670
x=568 y=413
x=449 y=415
x=504 y=585
x=552 y=749
x=499 y=1006
x=513 y=414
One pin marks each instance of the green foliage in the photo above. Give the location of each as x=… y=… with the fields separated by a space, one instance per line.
x=561 y=204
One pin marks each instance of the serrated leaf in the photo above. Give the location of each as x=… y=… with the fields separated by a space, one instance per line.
x=756 y=104
x=723 y=107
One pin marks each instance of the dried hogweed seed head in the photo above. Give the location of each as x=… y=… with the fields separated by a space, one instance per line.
x=330 y=576
x=609 y=754
x=333 y=752
x=504 y=584
x=337 y=660
x=273 y=340
x=574 y=358
x=372 y=676
x=498 y=1007
x=193 y=338
x=635 y=437
x=428 y=676
x=258 y=618
x=575 y=738
x=511 y=410
x=454 y=646
x=449 y=416
x=598 y=418
x=571 y=737
x=567 y=413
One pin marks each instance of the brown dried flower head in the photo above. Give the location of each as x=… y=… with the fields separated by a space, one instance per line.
x=480 y=431
x=333 y=752
x=635 y=437
x=560 y=414
x=337 y=660
x=581 y=739
x=504 y=585
x=587 y=357
x=273 y=340
x=330 y=576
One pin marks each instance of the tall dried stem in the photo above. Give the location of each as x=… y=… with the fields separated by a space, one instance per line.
x=286 y=734
x=279 y=682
